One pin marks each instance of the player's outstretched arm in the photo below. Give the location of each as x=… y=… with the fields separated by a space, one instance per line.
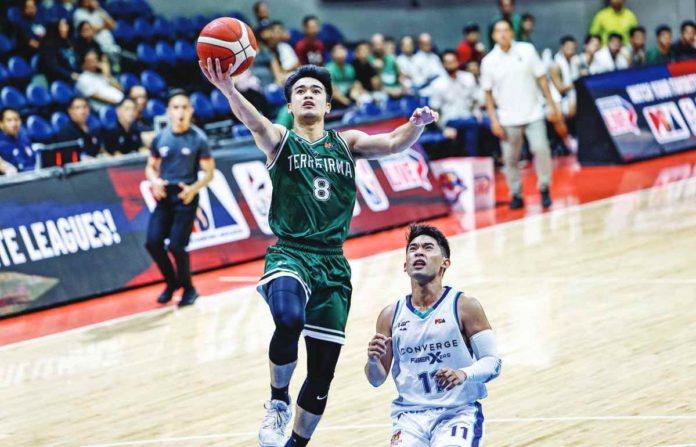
x=379 y=350
x=266 y=134
x=400 y=139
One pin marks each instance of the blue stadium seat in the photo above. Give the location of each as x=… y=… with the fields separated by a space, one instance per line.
x=11 y=97
x=108 y=118
x=140 y=8
x=184 y=52
x=202 y=107
x=370 y=109
x=409 y=104
x=146 y=55
x=14 y=15
x=6 y=46
x=4 y=75
x=295 y=36
x=124 y=33
x=199 y=22
x=164 y=53
x=183 y=27
x=330 y=35
x=38 y=96
x=59 y=120
x=117 y=9
x=239 y=16
x=240 y=131
x=19 y=70
x=35 y=63
x=163 y=29
x=274 y=95
x=58 y=12
x=62 y=92
x=93 y=122
x=142 y=28
x=434 y=136
x=391 y=105
x=39 y=129
x=221 y=105
x=153 y=83
x=153 y=108
x=128 y=80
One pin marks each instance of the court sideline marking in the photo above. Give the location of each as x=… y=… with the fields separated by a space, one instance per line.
x=368 y=426
x=496 y=227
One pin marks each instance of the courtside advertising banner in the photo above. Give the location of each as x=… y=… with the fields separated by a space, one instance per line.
x=73 y=237
x=648 y=112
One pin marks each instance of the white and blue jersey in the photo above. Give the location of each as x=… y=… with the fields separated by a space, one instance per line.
x=424 y=342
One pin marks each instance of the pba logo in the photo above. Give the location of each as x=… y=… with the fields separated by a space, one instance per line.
x=619 y=115
x=482 y=184
x=408 y=170
x=666 y=122
x=452 y=186
x=219 y=219
x=370 y=188
x=255 y=182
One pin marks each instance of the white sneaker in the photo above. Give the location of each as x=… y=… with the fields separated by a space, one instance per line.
x=272 y=432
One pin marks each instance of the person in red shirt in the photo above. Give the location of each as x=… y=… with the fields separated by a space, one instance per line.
x=310 y=50
x=470 y=48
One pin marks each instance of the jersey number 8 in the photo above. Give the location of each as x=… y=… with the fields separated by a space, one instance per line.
x=322 y=189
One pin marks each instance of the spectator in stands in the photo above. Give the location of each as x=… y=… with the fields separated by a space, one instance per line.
x=528 y=22
x=262 y=67
x=470 y=48
x=310 y=50
x=85 y=42
x=635 y=50
x=29 y=30
x=386 y=67
x=390 y=45
x=125 y=137
x=506 y=10
x=616 y=19
x=684 y=48
x=511 y=75
x=474 y=68
x=365 y=73
x=139 y=96
x=102 y=23
x=404 y=60
x=98 y=84
x=263 y=16
x=609 y=57
x=286 y=54
x=591 y=46
x=564 y=70
x=427 y=64
x=58 y=60
x=346 y=90
x=78 y=130
x=16 y=153
x=664 y=52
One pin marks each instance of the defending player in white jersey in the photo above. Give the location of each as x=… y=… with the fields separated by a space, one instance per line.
x=443 y=352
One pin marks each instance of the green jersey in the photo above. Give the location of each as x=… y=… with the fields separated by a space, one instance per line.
x=313 y=189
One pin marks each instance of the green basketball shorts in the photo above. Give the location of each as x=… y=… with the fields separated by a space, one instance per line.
x=325 y=276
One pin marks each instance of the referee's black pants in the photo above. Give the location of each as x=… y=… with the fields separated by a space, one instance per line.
x=174 y=220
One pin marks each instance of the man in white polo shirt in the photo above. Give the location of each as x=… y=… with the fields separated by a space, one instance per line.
x=511 y=75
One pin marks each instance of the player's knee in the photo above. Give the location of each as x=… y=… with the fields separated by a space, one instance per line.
x=290 y=323
x=176 y=249
x=314 y=395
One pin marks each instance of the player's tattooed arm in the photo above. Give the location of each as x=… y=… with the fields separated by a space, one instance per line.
x=266 y=134
x=400 y=139
x=379 y=349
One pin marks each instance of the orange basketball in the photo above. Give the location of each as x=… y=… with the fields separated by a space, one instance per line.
x=230 y=40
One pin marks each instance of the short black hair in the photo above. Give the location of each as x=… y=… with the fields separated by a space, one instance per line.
x=257 y=6
x=636 y=29
x=77 y=98
x=446 y=52
x=309 y=18
x=130 y=89
x=124 y=100
x=82 y=25
x=176 y=92
x=592 y=36
x=502 y=19
x=4 y=110
x=470 y=28
x=687 y=23
x=615 y=36
x=662 y=28
x=567 y=38
x=321 y=74
x=277 y=23
x=416 y=230
x=528 y=16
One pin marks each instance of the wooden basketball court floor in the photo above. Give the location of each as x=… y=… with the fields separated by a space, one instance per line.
x=594 y=306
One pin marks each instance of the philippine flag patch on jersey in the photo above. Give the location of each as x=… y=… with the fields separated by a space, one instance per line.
x=396 y=438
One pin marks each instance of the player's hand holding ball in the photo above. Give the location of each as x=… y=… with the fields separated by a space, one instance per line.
x=423 y=116
x=448 y=378
x=377 y=348
x=226 y=47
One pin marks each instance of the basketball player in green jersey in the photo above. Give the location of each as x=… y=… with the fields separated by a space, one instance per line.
x=306 y=282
